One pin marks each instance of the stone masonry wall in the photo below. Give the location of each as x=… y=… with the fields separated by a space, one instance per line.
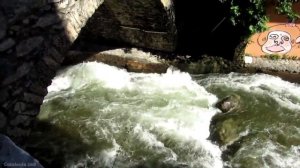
x=141 y=23
x=34 y=35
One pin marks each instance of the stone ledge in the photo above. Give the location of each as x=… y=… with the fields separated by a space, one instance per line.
x=132 y=61
x=278 y=65
x=288 y=70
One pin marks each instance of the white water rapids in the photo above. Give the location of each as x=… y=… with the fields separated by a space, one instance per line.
x=134 y=120
x=152 y=119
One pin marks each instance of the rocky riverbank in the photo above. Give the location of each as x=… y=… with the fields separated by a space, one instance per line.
x=136 y=60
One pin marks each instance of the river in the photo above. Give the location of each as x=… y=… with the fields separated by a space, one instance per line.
x=96 y=115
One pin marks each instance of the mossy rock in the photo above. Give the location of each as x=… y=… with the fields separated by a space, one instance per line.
x=224 y=132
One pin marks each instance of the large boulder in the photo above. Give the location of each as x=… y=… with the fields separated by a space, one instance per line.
x=223 y=130
x=225 y=127
x=229 y=103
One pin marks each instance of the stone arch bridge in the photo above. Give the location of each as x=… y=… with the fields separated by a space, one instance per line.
x=35 y=35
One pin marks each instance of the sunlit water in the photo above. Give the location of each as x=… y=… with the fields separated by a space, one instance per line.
x=268 y=122
x=96 y=115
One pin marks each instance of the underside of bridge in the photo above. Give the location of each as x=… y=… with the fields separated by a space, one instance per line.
x=35 y=36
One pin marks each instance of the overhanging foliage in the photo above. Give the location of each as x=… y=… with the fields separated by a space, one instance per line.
x=251 y=14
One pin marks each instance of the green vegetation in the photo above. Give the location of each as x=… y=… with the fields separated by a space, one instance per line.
x=251 y=14
x=273 y=56
x=285 y=7
x=278 y=57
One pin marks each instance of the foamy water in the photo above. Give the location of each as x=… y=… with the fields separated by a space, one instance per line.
x=102 y=116
x=156 y=120
x=270 y=117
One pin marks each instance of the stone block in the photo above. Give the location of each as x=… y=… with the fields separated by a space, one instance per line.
x=33 y=113
x=28 y=45
x=21 y=120
x=3 y=26
x=21 y=71
x=32 y=98
x=37 y=89
x=47 y=20
x=19 y=106
x=7 y=44
x=52 y=52
x=4 y=95
x=52 y=64
x=17 y=132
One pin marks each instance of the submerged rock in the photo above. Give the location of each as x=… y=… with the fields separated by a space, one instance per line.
x=224 y=130
x=229 y=103
x=224 y=127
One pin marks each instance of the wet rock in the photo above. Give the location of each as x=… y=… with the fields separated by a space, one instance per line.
x=229 y=103
x=7 y=44
x=226 y=127
x=145 y=67
x=3 y=26
x=26 y=46
x=224 y=130
x=233 y=148
x=207 y=64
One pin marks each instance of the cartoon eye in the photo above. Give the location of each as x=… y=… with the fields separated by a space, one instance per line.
x=273 y=36
x=285 y=38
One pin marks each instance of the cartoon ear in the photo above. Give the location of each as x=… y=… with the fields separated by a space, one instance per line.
x=262 y=38
x=298 y=40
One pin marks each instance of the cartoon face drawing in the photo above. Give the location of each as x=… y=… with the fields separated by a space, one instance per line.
x=278 y=42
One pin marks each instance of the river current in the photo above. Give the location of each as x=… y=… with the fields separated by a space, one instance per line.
x=96 y=115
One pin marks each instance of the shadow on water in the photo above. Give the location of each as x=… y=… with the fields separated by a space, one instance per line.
x=52 y=145
x=60 y=137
